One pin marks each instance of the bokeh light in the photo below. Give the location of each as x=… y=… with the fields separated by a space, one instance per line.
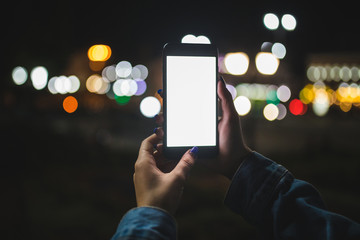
x=283 y=93
x=141 y=87
x=75 y=84
x=232 y=90
x=116 y=87
x=122 y=100
x=279 y=50
x=96 y=84
x=39 y=77
x=271 y=112
x=320 y=108
x=271 y=95
x=242 y=105
x=282 y=111
x=63 y=84
x=109 y=73
x=271 y=21
x=139 y=72
x=190 y=38
x=266 y=46
x=19 y=75
x=150 y=106
x=307 y=94
x=266 y=63
x=128 y=87
x=99 y=52
x=288 y=22
x=70 y=104
x=236 y=63
x=123 y=69
x=296 y=107
x=333 y=73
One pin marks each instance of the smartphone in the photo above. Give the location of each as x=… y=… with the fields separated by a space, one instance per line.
x=190 y=102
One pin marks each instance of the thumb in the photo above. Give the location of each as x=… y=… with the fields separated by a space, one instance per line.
x=227 y=104
x=186 y=163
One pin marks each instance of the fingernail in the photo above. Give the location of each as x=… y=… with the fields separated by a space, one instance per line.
x=194 y=151
x=159 y=91
x=155 y=130
x=222 y=80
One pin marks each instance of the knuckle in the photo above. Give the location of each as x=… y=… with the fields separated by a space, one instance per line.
x=137 y=165
x=188 y=162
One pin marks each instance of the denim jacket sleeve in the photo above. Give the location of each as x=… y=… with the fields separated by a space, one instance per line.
x=268 y=196
x=146 y=223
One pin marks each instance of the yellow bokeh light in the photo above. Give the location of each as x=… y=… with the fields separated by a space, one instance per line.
x=271 y=112
x=306 y=95
x=99 y=52
x=345 y=106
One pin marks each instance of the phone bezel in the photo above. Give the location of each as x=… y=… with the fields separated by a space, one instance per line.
x=177 y=49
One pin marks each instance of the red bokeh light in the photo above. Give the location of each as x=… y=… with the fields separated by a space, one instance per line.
x=296 y=107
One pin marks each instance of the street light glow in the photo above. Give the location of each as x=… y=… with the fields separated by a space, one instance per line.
x=271 y=21
x=193 y=39
x=236 y=63
x=266 y=63
x=288 y=21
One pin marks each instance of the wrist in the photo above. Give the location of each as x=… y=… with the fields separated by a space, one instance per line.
x=236 y=163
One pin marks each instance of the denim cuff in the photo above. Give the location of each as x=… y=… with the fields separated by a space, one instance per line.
x=146 y=223
x=253 y=187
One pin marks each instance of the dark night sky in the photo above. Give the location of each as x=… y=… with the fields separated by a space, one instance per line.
x=51 y=31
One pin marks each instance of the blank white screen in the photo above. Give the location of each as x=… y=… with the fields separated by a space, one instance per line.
x=191 y=101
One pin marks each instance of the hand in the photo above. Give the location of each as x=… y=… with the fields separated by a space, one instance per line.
x=157 y=187
x=232 y=148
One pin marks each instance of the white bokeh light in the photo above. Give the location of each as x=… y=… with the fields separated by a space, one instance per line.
x=123 y=69
x=109 y=73
x=117 y=88
x=75 y=83
x=128 y=87
x=279 y=50
x=193 y=39
x=39 y=77
x=288 y=21
x=271 y=21
x=242 y=105
x=236 y=63
x=283 y=93
x=282 y=111
x=266 y=63
x=150 y=106
x=19 y=75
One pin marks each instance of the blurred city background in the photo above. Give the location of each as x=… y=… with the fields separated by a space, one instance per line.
x=79 y=85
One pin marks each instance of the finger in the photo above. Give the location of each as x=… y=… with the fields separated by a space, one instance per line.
x=159 y=131
x=161 y=93
x=159 y=148
x=148 y=144
x=158 y=151
x=186 y=163
x=227 y=103
x=159 y=119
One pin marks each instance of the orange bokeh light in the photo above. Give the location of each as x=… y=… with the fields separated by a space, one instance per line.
x=70 y=104
x=99 y=52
